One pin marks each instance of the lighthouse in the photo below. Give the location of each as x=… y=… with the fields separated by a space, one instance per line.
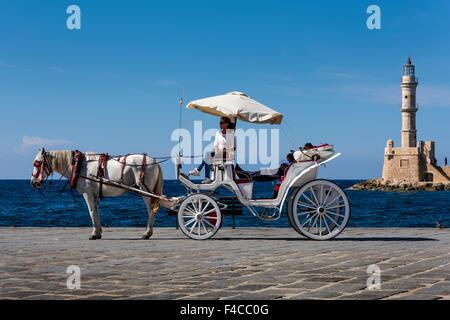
x=414 y=161
x=409 y=84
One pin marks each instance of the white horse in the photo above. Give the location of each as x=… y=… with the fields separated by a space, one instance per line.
x=61 y=161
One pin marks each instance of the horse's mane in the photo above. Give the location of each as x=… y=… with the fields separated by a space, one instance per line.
x=62 y=161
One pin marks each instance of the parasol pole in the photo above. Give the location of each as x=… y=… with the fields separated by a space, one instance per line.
x=179 y=126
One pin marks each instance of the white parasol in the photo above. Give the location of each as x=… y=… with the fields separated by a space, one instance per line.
x=237 y=105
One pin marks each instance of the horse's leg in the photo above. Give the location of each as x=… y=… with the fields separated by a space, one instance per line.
x=92 y=204
x=151 y=217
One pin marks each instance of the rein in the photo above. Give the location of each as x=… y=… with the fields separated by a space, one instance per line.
x=44 y=166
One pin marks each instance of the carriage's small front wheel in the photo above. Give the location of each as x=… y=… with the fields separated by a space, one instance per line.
x=319 y=210
x=199 y=216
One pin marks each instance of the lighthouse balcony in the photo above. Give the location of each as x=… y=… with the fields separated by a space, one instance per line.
x=409 y=79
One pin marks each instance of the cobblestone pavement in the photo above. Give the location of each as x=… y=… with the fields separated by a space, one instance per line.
x=245 y=263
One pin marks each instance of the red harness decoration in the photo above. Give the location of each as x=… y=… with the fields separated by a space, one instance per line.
x=142 y=174
x=42 y=166
x=76 y=167
x=101 y=171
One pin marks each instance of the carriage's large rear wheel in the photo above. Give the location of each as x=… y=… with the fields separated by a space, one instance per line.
x=199 y=216
x=319 y=210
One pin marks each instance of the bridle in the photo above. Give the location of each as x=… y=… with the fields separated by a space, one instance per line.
x=42 y=167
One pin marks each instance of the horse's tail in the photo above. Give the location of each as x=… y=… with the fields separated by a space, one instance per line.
x=158 y=190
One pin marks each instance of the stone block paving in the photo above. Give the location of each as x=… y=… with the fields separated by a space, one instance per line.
x=243 y=264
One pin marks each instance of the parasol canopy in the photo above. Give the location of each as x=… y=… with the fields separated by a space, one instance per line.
x=237 y=105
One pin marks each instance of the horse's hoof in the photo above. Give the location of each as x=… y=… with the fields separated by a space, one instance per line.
x=95 y=237
x=145 y=237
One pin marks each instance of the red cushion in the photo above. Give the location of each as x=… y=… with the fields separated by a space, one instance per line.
x=315 y=147
x=242 y=180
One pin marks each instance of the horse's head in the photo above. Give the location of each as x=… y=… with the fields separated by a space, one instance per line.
x=42 y=169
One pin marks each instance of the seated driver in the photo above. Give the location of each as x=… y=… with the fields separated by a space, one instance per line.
x=225 y=140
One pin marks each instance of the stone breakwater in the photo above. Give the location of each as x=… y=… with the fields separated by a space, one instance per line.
x=386 y=185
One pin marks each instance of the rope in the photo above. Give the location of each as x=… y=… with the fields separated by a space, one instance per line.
x=289 y=128
x=57 y=194
x=117 y=158
x=288 y=137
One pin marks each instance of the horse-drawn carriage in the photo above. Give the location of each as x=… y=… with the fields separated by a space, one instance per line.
x=316 y=208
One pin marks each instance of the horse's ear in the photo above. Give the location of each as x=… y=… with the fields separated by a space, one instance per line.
x=43 y=150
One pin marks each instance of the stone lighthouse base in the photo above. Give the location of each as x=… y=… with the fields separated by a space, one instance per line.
x=386 y=185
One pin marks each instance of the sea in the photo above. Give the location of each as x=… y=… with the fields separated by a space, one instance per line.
x=23 y=206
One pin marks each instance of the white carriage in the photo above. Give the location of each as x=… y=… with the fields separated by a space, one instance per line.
x=316 y=208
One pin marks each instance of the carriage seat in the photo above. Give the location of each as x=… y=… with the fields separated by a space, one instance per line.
x=240 y=180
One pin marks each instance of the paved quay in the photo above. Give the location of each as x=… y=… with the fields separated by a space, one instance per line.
x=243 y=264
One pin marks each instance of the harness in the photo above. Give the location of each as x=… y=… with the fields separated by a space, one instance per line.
x=101 y=171
x=142 y=174
x=42 y=166
x=77 y=161
x=124 y=163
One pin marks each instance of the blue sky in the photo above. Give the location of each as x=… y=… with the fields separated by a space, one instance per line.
x=114 y=85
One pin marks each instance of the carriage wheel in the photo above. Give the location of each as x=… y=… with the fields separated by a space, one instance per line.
x=319 y=210
x=199 y=217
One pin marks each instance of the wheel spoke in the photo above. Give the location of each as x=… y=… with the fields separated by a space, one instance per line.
x=335 y=207
x=326 y=205
x=334 y=213
x=209 y=211
x=193 y=226
x=307 y=219
x=314 y=223
x=326 y=197
x=197 y=206
x=321 y=194
x=304 y=195
x=209 y=223
x=320 y=225
x=206 y=215
x=326 y=224
x=190 y=211
x=200 y=202
x=314 y=195
x=204 y=227
x=204 y=208
x=305 y=205
x=192 y=207
x=334 y=221
x=305 y=212
x=189 y=222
